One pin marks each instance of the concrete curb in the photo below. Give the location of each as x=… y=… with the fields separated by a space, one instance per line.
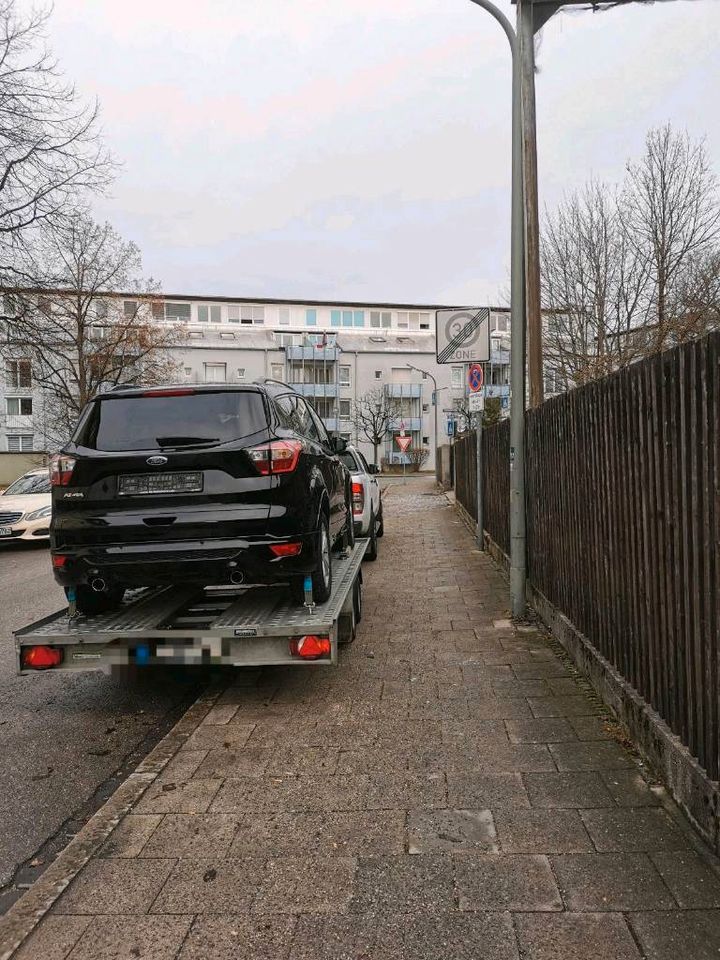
x=27 y=912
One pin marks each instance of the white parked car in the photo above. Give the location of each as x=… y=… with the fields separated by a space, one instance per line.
x=366 y=499
x=25 y=508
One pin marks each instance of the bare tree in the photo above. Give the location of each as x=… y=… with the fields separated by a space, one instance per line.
x=50 y=149
x=373 y=415
x=672 y=216
x=78 y=338
x=417 y=458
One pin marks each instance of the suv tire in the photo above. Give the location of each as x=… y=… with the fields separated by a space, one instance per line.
x=372 y=551
x=380 y=524
x=348 y=534
x=322 y=574
x=90 y=602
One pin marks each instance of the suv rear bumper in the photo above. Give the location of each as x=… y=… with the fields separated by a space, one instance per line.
x=203 y=562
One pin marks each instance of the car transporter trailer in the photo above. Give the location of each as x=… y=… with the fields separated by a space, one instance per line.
x=242 y=627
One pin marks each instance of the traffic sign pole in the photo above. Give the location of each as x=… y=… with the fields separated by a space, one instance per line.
x=480 y=529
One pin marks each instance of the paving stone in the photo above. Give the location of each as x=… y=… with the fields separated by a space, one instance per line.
x=541 y=831
x=322 y=833
x=182 y=835
x=406 y=792
x=306 y=885
x=515 y=883
x=182 y=766
x=448 y=831
x=539 y=731
x=694 y=935
x=590 y=728
x=521 y=688
x=372 y=760
x=236 y=762
x=579 y=706
x=473 y=733
x=610 y=881
x=53 y=939
x=115 y=887
x=130 y=938
x=629 y=789
x=130 y=835
x=567 y=790
x=693 y=882
x=498 y=708
x=590 y=756
x=351 y=937
x=405 y=884
x=633 y=829
x=575 y=936
x=540 y=671
x=477 y=791
x=220 y=714
x=469 y=936
x=191 y=796
x=208 y=737
x=210 y=886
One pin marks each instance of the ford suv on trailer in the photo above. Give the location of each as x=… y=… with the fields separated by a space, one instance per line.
x=203 y=484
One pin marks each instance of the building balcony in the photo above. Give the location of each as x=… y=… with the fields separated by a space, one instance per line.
x=18 y=422
x=497 y=390
x=412 y=424
x=313 y=354
x=500 y=357
x=402 y=390
x=316 y=389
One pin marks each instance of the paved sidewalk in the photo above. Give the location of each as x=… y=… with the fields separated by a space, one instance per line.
x=449 y=791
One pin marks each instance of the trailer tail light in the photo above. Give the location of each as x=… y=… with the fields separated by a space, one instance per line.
x=286 y=549
x=310 y=647
x=61 y=470
x=280 y=456
x=58 y=561
x=41 y=658
x=358 y=499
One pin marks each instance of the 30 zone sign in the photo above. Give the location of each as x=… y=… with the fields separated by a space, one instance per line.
x=463 y=336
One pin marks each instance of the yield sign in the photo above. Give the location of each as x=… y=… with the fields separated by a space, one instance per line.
x=403 y=443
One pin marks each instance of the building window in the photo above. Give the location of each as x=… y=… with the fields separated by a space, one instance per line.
x=501 y=324
x=345 y=409
x=378 y=374
x=18 y=374
x=9 y=305
x=188 y=372
x=311 y=318
x=241 y=373
x=215 y=372
x=18 y=406
x=457 y=378
x=344 y=376
x=277 y=371
x=424 y=326
x=426 y=407
x=45 y=306
x=249 y=315
x=234 y=314
x=101 y=309
x=359 y=318
x=287 y=339
x=22 y=443
x=380 y=318
x=177 y=311
x=284 y=316
x=426 y=441
x=335 y=318
x=402 y=320
x=211 y=312
x=129 y=309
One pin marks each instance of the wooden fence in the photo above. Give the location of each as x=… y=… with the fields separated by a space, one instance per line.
x=623 y=526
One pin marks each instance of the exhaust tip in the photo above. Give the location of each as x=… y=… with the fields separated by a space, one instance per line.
x=98 y=585
x=237 y=576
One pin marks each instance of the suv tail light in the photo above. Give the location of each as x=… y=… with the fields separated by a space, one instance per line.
x=280 y=456
x=61 y=470
x=358 y=499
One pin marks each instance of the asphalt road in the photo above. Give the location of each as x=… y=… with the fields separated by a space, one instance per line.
x=65 y=741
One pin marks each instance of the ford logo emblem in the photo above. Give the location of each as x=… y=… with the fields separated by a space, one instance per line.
x=156 y=461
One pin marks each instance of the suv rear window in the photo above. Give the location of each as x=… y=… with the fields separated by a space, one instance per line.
x=186 y=420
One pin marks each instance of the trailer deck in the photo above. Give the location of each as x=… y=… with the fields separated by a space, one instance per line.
x=238 y=626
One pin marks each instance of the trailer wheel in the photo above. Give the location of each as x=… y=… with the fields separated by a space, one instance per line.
x=357 y=597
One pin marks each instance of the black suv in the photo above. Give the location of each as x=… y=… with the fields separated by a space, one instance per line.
x=206 y=485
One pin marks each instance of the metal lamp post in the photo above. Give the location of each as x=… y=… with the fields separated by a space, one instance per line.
x=517 y=329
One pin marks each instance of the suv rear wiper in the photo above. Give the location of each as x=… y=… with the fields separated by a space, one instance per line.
x=186 y=441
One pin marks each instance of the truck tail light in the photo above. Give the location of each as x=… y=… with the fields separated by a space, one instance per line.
x=310 y=647
x=41 y=658
x=61 y=470
x=280 y=456
x=358 y=499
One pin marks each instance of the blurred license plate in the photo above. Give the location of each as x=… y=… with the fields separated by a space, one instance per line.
x=5 y=531
x=138 y=484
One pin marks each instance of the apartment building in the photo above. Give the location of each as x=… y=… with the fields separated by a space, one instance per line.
x=333 y=353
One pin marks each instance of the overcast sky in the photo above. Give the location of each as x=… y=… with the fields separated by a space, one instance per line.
x=359 y=149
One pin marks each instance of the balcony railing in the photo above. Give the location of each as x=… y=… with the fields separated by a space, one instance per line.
x=497 y=390
x=500 y=357
x=316 y=389
x=401 y=390
x=317 y=354
x=410 y=423
x=16 y=422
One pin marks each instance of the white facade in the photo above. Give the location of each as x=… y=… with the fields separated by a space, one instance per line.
x=366 y=346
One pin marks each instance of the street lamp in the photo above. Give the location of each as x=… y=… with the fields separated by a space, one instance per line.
x=435 y=391
x=517 y=329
